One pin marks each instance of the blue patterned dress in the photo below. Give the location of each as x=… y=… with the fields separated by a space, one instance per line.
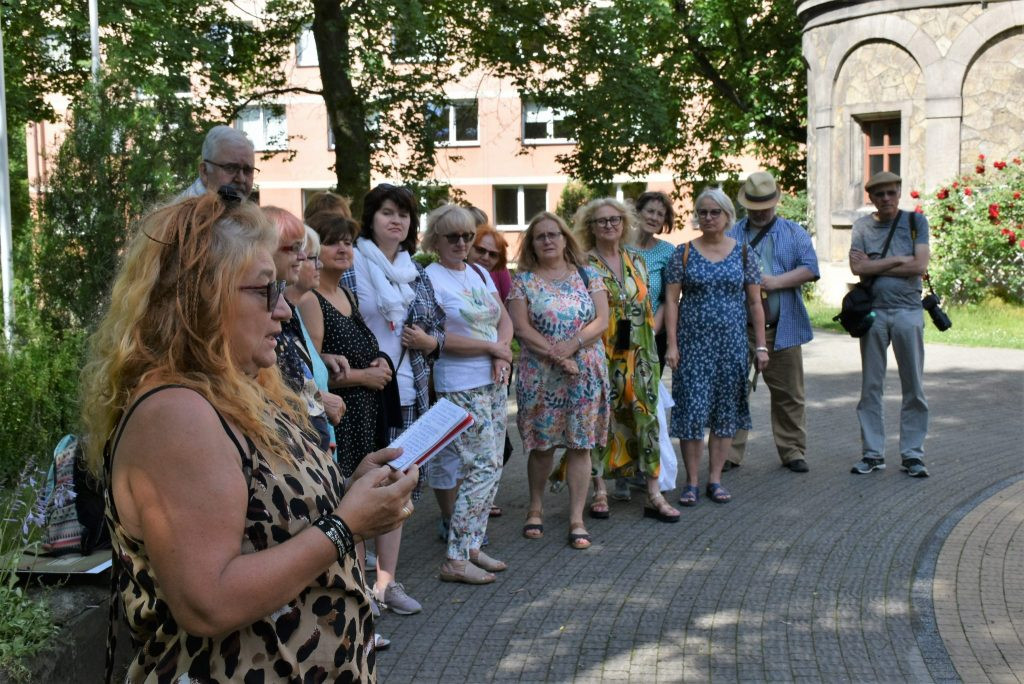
x=710 y=384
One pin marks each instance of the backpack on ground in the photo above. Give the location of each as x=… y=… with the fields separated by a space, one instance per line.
x=73 y=503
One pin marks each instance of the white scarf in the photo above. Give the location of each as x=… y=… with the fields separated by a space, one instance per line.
x=390 y=281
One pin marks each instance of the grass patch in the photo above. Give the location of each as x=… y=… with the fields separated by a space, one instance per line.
x=992 y=323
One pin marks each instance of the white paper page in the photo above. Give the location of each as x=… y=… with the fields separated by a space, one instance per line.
x=427 y=431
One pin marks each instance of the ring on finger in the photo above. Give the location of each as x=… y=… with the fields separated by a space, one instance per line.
x=406 y=512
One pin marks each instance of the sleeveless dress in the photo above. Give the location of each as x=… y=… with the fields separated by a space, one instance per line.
x=709 y=386
x=323 y=634
x=361 y=429
x=633 y=373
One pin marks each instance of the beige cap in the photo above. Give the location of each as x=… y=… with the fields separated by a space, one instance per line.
x=759 y=191
x=882 y=178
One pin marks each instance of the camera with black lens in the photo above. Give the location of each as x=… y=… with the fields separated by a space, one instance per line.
x=939 y=318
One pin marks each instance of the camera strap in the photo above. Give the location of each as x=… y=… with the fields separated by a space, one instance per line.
x=913 y=239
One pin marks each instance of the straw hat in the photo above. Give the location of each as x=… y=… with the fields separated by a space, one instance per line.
x=759 y=192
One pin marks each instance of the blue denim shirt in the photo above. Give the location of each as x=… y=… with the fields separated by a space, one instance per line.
x=793 y=248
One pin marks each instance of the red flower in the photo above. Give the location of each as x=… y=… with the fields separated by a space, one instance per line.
x=955 y=185
x=968 y=192
x=1004 y=231
x=919 y=209
x=993 y=211
x=1016 y=195
x=979 y=169
x=950 y=208
x=981 y=157
x=999 y=165
x=1016 y=160
x=915 y=194
x=943 y=193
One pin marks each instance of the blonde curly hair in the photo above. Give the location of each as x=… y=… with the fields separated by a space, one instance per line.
x=167 y=320
x=581 y=222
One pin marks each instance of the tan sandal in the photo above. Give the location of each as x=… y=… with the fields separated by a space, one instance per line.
x=599 y=506
x=482 y=560
x=464 y=571
x=659 y=509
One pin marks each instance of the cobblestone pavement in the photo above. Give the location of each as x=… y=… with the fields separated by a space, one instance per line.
x=825 y=576
x=979 y=589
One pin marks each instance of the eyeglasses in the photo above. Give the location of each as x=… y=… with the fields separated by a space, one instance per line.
x=709 y=213
x=612 y=221
x=486 y=252
x=294 y=248
x=547 y=237
x=317 y=264
x=272 y=290
x=453 y=238
x=233 y=169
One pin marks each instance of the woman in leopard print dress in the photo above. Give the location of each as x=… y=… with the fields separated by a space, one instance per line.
x=232 y=528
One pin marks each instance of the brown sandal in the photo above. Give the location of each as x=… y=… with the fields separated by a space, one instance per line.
x=659 y=509
x=534 y=530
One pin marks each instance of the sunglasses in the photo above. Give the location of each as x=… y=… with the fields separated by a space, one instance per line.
x=293 y=248
x=453 y=238
x=272 y=290
x=709 y=213
x=486 y=252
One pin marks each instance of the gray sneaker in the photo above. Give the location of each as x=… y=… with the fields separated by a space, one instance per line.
x=397 y=601
x=620 y=492
x=914 y=467
x=866 y=465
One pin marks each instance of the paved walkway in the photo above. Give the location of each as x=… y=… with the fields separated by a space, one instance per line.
x=826 y=576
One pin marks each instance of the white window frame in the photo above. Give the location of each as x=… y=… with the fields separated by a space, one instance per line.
x=266 y=130
x=305 y=49
x=536 y=113
x=521 y=216
x=449 y=109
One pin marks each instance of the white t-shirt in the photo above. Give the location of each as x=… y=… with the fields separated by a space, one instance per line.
x=471 y=310
x=389 y=341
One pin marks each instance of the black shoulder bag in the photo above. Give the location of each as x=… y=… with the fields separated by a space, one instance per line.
x=857 y=313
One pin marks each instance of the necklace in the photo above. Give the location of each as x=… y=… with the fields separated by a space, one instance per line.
x=460 y=276
x=620 y=279
x=551 y=275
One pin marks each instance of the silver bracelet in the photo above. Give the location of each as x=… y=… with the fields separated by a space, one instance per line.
x=761 y=349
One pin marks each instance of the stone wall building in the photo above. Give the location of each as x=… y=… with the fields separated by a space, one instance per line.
x=918 y=87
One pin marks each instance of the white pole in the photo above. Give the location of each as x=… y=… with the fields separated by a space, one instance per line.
x=94 y=39
x=5 y=212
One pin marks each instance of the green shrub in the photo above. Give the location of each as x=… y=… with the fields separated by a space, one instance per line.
x=796 y=208
x=977 y=226
x=39 y=384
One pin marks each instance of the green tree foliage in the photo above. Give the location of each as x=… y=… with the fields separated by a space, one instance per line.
x=689 y=83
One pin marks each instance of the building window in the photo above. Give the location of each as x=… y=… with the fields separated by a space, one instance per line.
x=881 y=147
x=305 y=49
x=265 y=126
x=515 y=206
x=457 y=122
x=544 y=124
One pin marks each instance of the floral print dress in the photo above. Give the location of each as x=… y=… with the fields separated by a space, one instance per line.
x=557 y=409
x=633 y=374
x=710 y=384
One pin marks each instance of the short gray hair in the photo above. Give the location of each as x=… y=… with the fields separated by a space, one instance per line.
x=219 y=136
x=718 y=196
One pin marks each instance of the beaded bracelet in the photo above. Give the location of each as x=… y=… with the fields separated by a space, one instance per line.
x=339 y=534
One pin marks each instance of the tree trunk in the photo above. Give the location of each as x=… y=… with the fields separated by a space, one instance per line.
x=346 y=112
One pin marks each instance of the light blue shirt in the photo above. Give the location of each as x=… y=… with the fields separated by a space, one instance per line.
x=792 y=248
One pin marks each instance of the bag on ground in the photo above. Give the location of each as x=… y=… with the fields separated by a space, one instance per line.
x=73 y=504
